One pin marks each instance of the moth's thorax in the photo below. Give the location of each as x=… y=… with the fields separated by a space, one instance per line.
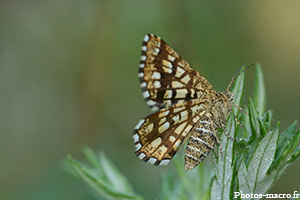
x=221 y=108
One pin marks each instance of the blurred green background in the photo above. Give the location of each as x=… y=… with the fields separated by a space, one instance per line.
x=68 y=74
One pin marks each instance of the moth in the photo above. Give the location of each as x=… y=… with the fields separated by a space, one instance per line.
x=186 y=106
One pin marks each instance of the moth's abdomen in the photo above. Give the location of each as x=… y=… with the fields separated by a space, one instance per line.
x=201 y=142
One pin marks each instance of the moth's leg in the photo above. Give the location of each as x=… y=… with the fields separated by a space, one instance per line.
x=241 y=109
x=218 y=142
x=228 y=134
x=239 y=123
x=223 y=122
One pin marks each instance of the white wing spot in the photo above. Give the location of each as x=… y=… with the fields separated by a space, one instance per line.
x=165 y=162
x=154 y=109
x=167 y=70
x=151 y=103
x=141 y=156
x=180 y=101
x=163 y=113
x=176 y=110
x=143 y=84
x=172 y=138
x=156 y=142
x=157 y=84
x=167 y=102
x=177 y=145
x=168 y=94
x=167 y=63
x=138 y=126
x=141 y=75
x=181 y=93
x=184 y=115
x=180 y=64
x=138 y=147
x=136 y=138
x=171 y=58
x=192 y=92
x=186 y=79
x=189 y=127
x=179 y=129
x=149 y=127
x=162 y=120
x=152 y=160
x=160 y=151
x=143 y=58
x=144 y=48
x=179 y=72
x=146 y=38
x=176 y=84
x=175 y=118
x=155 y=75
x=142 y=65
x=163 y=127
x=146 y=94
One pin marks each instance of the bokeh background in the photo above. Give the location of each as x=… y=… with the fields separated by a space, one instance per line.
x=68 y=78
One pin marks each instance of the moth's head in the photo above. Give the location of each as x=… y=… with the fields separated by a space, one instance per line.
x=229 y=95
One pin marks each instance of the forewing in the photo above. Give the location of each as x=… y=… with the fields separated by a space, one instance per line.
x=159 y=136
x=167 y=79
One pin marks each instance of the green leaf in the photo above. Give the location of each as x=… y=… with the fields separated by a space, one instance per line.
x=253 y=178
x=263 y=130
x=266 y=119
x=254 y=121
x=288 y=151
x=222 y=185
x=179 y=184
x=288 y=140
x=104 y=177
x=238 y=90
x=259 y=90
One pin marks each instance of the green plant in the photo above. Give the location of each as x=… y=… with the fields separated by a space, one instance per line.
x=251 y=165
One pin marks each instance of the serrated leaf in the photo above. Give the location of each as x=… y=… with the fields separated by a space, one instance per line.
x=254 y=178
x=178 y=184
x=105 y=179
x=266 y=119
x=263 y=130
x=222 y=185
x=288 y=155
x=254 y=123
x=259 y=90
x=284 y=141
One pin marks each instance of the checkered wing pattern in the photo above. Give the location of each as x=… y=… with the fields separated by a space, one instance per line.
x=186 y=106
x=159 y=136
x=166 y=79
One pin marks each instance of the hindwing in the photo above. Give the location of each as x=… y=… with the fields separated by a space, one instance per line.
x=159 y=136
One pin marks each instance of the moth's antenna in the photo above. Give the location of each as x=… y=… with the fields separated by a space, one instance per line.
x=235 y=76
